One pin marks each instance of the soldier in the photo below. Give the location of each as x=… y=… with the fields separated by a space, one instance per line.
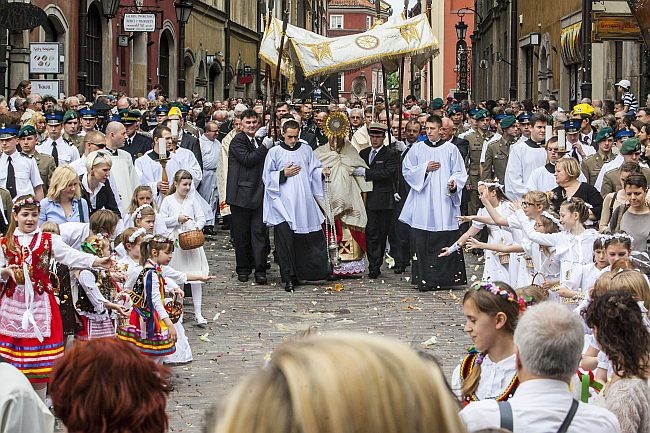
x=71 y=130
x=28 y=139
x=523 y=120
x=576 y=148
x=631 y=151
x=161 y=113
x=455 y=113
x=476 y=138
x=592 y=165
x=137 y=142
x=18 y=173
x=619 y=137
x=55 y=145
x=496 y=155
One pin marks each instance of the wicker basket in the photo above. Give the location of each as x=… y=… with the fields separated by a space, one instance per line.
x=191 y=239
x=174 y=309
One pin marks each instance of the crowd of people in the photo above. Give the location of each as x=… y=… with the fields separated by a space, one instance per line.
x=106 y=202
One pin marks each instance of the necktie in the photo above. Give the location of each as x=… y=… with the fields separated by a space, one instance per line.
x=129 y=140
x=55 y=154
x=373 y=154
x=11 y=178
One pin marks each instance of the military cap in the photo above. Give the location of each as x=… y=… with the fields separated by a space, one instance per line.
x=604 y=133
x=8 y=131
x=455 y=108
x=53 y=118
x=437 y=104
x=26 y=131
x=507 y=121
x=631 y=145
x=481 y=114
x=70 y=115
x=128 y=117
x=87 y=113
x=472 y=112
x=623 y=133
x=524 y=117
x=572 y=126
x=162 y=110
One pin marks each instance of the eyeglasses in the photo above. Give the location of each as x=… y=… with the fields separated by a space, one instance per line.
x=211 y=130
x=100 y=145
x=526 y=204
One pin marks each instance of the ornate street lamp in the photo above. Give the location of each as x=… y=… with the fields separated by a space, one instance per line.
x=109 y=8
x=461 y=60
x=461 y=29
x=183 y=12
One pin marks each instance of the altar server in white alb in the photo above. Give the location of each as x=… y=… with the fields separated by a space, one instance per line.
x=149 y=168
x=526 y=156
x=435 y=171
x=292 y=179
x=211 y=154
x=124 y=178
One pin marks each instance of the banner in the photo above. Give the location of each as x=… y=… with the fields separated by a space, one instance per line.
x=318 y=56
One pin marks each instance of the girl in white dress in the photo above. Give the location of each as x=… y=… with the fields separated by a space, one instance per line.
x=489 y=370
x=142 y=196
x=496 y=265
x=182 y=212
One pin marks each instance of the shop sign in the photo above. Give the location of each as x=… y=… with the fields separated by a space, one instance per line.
x=139 y=23
x=44 y=58
x=615 y=27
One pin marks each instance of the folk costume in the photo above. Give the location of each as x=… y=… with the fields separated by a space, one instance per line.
x=434 y=227
x=146 y=329
x=95 y=288
x=498 y=380
x=31 y=331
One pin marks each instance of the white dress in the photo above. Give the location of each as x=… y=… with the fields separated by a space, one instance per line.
x=493 y=269
x=546 y=265
x=190 y=261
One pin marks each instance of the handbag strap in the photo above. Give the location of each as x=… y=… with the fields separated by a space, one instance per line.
x=505 y=415
x=569 y=417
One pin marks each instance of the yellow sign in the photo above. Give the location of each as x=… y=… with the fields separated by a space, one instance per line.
x=615 y=27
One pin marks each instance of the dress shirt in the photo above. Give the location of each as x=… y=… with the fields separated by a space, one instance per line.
x=91 y=193
x=67 y=152
x=25 y=170
x=22 y=409
x=53 y=211
x=540 y=406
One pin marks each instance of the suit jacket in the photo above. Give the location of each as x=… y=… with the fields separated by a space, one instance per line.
x=190 y=142
x=140 y=144
x=244 y=186
x=383 y=173
x=105 y=199
x=309 y=137
x=462 y=145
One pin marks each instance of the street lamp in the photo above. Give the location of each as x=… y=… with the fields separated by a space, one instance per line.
x=109 y=8
x=461 y=60
x=183 y=11
x=461 y=29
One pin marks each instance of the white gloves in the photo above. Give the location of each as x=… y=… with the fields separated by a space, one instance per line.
x=268 y=142
x=261 y=132
x=359 y=171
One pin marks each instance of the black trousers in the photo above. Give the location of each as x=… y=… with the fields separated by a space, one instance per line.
x=379 y=222
x=301 y=256
x=250 y=240
x=399 y=237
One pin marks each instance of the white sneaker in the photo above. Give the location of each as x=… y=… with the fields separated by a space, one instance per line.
x=201 y=320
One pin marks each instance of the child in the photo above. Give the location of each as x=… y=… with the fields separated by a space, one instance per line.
x=489 y=371
x=617 y=246
x=582 y=281
x=149 y=327
x=573 y=245
x=31 y=334
x=145 y=217
x=98 y=293
x=182 y=212
x=142 y=196
x=495 y=268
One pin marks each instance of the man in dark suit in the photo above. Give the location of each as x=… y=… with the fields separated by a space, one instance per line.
x=383 y=163
x=137 y=143
x=244 y=194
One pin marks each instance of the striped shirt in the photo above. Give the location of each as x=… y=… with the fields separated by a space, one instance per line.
x=630 y=101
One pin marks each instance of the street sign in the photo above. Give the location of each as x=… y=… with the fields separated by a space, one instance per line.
x=139 y=22
x=46 y=87
x=615 y=27
x=21 y=16
x=44 y=58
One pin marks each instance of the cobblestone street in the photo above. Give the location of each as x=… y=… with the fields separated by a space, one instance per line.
x=247 y=321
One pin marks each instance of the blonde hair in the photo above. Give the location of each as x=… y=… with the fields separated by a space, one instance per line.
x=570 y=167
x=629 y=280
x=61 y=178
x=134 y=198
x=343 y=383
x=50 y=227
x=539 y=198
x=98 y=157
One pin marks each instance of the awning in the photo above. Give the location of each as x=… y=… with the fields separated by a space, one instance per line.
x=571 y=43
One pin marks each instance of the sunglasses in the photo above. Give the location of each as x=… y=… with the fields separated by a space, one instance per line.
x=100 y=145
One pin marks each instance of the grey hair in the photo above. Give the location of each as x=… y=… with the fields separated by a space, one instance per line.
x=358 y=111
x=549 y=338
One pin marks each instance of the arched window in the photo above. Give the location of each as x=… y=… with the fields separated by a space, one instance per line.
x=163 y=60
x=94 y=50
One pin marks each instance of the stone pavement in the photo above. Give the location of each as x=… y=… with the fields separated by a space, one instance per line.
x=247 y=321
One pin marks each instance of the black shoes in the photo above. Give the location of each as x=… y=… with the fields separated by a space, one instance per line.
x=261 y=280
x=289 y=286
x=209 y=231
x=374 y=274
x=243 y=278
x=399 y=270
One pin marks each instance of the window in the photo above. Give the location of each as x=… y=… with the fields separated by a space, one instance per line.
x=341 y=82
x=336 y=21
x=368 y=22
x=618 y=61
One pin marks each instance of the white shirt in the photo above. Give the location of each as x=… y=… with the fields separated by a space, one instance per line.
x=25 y=171
x=21 y=409
x=65 y=151
x=540 y=406
x=608 y=166
x=486 y=143
x=495 y=378
x=523 y=159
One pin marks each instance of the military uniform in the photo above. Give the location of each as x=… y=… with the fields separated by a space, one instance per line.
x=496 y=159
x=612 y=180
x=592 y=165
x=476 y=140
x=76 y=141
x=139 y=144
x=46 y=167
x=460 y=129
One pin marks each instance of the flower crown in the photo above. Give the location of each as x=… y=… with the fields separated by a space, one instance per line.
x=158 y=238
x=621 y=235
x=136 y=213
x=494 y=184
x=136 y=234
x=552 y=218
x=94 y=247
x=27 y=201
x=495 y=290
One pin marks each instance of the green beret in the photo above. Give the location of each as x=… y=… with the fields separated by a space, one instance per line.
x=437 y=104
x=26 y=131
x=630 y=145
x=69 y=115
x=481 y=114
x=507 y=122
x=603 y=133
x=456 y=108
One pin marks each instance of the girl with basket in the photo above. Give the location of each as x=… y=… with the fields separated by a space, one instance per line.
x=31 y=332
x=184 y=219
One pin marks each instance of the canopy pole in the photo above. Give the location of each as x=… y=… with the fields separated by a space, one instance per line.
x=400 y=89
x=285 y=19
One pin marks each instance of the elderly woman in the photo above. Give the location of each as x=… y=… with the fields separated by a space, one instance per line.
x=63 y=202
x=39 y=123
x=341 y=383
x=567 y=171
x=95 y=187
